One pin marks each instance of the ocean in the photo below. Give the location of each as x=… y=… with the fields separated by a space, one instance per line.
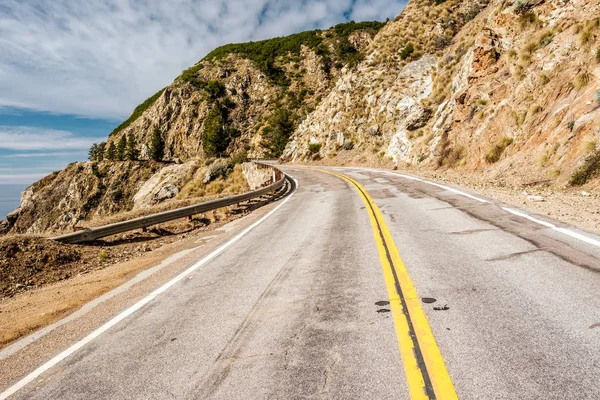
x=10 y=198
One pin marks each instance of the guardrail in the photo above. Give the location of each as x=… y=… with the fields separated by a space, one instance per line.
x=90 y=234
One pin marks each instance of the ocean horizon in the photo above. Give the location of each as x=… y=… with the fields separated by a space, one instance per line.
x=10 y=197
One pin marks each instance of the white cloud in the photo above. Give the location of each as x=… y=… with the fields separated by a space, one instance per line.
x=101 y=58
x=39 y=155
x=28 y=138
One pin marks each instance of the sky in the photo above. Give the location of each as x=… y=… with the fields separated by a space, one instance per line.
x=72 y=70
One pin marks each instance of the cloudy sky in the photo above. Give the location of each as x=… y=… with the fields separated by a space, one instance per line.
x=71 y=70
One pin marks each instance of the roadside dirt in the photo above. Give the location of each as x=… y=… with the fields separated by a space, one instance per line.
x=574 y=206
x=41 y=287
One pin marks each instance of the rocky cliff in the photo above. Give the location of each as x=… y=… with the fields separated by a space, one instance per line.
x=511 y=96
x=504 y=91
x=94 y=193
x=247 y=97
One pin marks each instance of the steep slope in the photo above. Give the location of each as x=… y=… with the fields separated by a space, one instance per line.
x=247 y=97
x=513 y=98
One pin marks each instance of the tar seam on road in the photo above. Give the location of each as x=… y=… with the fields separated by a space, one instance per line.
x=424 y=366
x=136 y=307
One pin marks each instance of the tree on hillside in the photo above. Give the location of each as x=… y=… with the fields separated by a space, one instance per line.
x=100 y=153
x=121 y=148
x=157 y=146
x=93 y=152
x=277 y=134
x=131 y=151
x=215 y=137
x=111 y=152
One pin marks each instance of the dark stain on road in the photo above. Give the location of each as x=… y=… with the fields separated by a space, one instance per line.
x=382 y=303
x=381 y=194
x=428 y=300
x=443 y=308
x=383 y=310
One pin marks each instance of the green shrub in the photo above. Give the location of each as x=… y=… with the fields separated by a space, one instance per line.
x=407 y=51
x=264 y=53
x=240 y=157
x=221 y=169
x=157 y=146
x=111 y=152
x=121 y=145
x=314 y=147
x=495 y=153
x=132 y=153
x=590 y=168
x=215 y=137
x=583 y=79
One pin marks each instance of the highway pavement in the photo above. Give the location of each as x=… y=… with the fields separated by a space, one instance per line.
x=362 y=284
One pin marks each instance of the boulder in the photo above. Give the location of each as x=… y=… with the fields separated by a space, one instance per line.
x=374 y=130
x=165 y=193
x=418 y=118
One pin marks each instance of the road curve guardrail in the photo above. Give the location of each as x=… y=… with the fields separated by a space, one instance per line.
x=91 y=234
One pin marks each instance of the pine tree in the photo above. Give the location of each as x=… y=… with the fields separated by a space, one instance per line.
x=157 y=146
x=215 y=137
x=111 y=152
x=131 y=151
x=121 y=148
x=100 y=153
x=93 y=152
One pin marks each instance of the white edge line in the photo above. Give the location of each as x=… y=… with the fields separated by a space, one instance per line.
x=124 y=314
x=458 y=192
x=86 y=308
x=412 y=178
x=523 y=215
x=564 y=231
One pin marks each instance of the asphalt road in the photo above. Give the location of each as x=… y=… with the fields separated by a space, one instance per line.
x=299 y=306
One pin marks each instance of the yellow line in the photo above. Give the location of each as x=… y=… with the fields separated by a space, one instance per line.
x=432 y=357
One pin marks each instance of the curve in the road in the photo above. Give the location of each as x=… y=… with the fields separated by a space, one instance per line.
x=140 y=304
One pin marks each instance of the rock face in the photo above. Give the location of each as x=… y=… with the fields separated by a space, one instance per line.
x=257 y=177
x=507 y=91
x=79 y=192
x=163 y=185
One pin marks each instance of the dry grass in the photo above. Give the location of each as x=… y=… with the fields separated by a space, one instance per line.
x=235 y=183
x=588 y=144
x=534 y=109
x=582 y=80
x=544 y=79
x=193 y=192
x=495 y=152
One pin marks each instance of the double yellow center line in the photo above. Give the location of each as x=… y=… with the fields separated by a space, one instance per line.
x=424 y=366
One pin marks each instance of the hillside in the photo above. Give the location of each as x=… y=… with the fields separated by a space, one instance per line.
x=247 y=97
x=513 y=99
x=484 y=92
